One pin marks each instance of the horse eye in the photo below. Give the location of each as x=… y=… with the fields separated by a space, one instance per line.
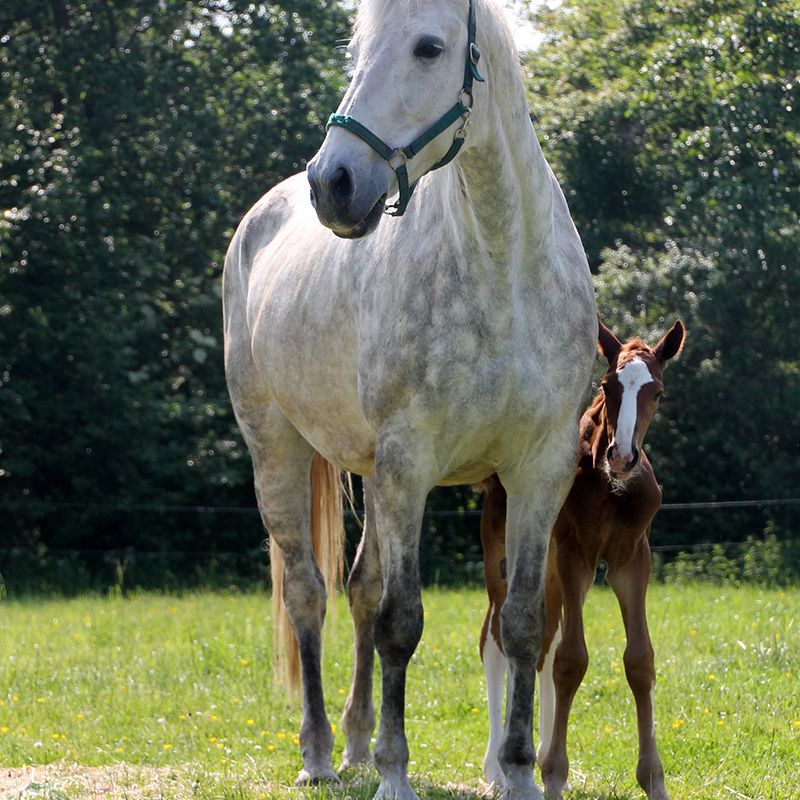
x=429 y=48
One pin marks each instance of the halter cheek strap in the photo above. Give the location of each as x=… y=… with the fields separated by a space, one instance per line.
x=397 y=156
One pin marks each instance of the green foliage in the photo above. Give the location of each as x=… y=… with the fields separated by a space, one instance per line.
x=675 y=130
x=764 y=561
x=134 y=136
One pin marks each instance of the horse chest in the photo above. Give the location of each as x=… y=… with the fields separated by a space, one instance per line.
x=445 y=340
x=605 y=524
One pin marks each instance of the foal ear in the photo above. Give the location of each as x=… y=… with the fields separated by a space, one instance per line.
x=671 y=343
x=607 y=344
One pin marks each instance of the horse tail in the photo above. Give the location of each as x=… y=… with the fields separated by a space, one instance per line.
x=327 y=540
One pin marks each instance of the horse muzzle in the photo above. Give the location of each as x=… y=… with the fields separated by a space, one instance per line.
x=621 y=464
x=347 y=201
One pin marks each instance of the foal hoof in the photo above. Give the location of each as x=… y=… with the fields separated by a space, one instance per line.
x=316 y=777
x=494 y=777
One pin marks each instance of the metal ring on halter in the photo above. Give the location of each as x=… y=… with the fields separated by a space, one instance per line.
x=399 y=153
x=461 y=94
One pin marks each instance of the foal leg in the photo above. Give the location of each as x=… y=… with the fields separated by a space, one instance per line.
x=552 y=638
x=493 y=539
x=570 y=661
x=281 y=464
x=629 y=583
x=364 y=588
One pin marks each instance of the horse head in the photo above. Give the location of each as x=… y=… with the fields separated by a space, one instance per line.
x=403 y=114
x=632 y=388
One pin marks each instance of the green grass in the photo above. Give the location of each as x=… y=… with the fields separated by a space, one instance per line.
x=162 y=696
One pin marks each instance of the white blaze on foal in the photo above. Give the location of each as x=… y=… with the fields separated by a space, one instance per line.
x=632 y=377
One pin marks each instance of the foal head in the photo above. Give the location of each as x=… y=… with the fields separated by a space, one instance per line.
x=632 y=388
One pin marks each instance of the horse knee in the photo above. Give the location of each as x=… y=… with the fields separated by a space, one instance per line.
x=522 y=629
x=569 y=668
x=364 y=591
x=398 y=628
x=640 y=668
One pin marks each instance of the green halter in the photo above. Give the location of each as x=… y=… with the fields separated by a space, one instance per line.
x=397 y=156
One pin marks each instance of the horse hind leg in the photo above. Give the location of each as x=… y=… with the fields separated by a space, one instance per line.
x=281 y=464
x=364 y=589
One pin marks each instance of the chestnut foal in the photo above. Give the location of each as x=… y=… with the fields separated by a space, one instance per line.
x=606 y=517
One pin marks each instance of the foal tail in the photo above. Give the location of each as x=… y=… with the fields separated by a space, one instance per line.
x=327 y=539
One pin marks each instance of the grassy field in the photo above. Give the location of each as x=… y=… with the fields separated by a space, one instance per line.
x=171 y=697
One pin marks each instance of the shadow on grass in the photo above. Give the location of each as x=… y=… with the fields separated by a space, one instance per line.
x=361 y=784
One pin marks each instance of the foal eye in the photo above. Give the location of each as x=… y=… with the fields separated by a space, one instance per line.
x=429 y=48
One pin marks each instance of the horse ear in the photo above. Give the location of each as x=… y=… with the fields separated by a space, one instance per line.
x=607 y=344
x=671 y=343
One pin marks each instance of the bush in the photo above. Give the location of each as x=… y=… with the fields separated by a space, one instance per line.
x=766 y=561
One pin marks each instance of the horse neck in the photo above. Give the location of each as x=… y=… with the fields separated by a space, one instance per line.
x=504 y=178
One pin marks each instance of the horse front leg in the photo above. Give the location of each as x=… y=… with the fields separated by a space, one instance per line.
x=629 y=582
x=364 y=589
x=399 y=507
x=532 y=512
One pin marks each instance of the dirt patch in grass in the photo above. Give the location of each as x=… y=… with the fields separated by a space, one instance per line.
x=64 y=781
x=70 y=781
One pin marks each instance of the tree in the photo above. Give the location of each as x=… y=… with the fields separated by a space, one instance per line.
x=675 y=129
x=134 y=137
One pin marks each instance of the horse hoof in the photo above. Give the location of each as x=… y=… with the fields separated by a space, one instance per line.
x=389 y=790
x=520 y=785
x=316 y=777
x=356 y=760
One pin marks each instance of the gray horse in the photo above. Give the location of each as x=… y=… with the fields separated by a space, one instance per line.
x=450 y=342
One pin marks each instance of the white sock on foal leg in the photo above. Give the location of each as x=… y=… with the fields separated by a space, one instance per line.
x=547 y=699
x=494 y=668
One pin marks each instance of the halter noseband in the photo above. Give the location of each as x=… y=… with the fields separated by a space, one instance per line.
x=397 y=156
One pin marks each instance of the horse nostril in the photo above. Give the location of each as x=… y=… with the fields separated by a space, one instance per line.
x=634 y=460
x=313 y=196
x=342 y=187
